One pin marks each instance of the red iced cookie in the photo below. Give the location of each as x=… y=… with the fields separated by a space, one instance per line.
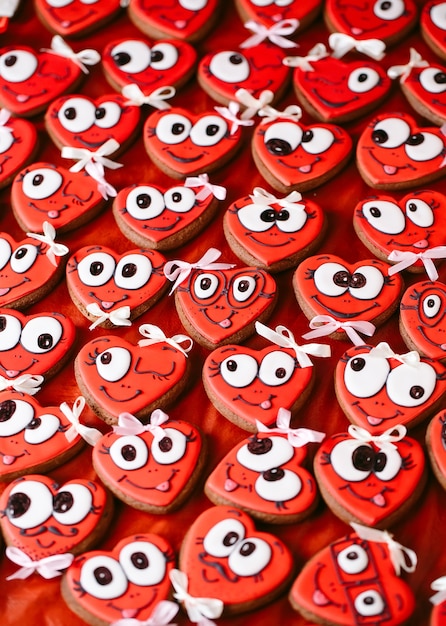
x=126 y=583
x=183 y=144
x=369 y=479
x=270 y=12
x=74 y=18
x=438 y=613
x=433 y=26
x=393 y=152
x=154 y=467
x=113 y=289
x=18 y=144
x=436 y=446
x=224 y=557
x=47 y=192
x=354 y=581
x=273 y=233
x=422 y=312
x=378 y=389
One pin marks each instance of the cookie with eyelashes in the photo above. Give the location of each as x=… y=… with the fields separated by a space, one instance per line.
x=75 y=18
x=269 y=12
x=18 y=146
x=433 y=26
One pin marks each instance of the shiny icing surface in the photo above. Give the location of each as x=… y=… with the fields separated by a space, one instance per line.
x=18 y=142
x=269 y=12
x=433 y=26
x=426 y=86
x=436 y=445
x=71 y=17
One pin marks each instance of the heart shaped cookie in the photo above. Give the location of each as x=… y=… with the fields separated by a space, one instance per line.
x=32 y=437
x=370 y=480
x=433 y=26
x=378 y=389
x=222 y=549
x=269 y=12
x=47 y=192
x=18 y=145
x=273 y=233
x=150 y=65
x=183 y=144
x=436 y=446
x=393 y=152
x=113 y=289
x=115 y=375
x=42 y=518
x=75 y=18
x=107 y=586
x=291 y=156
x=353 y=581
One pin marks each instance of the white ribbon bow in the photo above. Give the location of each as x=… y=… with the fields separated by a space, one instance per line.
x=118 y=317
x=261 y=197
x=48 y=567
x=90 y=435
x=292 y=112
x=156 y=99
x=161 y=615
x=178 y=271
x=406 y=258
x=297 y=437
x=154 y=334
x=439 y=586
x=401 y=557
x=8 y=7
x=403 y=71
x=128 y=424
x=4 y=117
x=317 y=52
x=383 y=441
x=27 y=383
x=253 y=105
x=275 y=33
x=323 y=325
x=341 y=43
x=202 y=180
x=284 y=338
x=384 y=351
x=81 y=59
x=230 y=113
x=197 y=608
x=48 y=238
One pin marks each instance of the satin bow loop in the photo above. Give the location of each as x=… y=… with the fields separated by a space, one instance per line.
x=8 y=8
x=230 y=113
x=128 y=424
x=48 y=238
x=297 y=437
x=153 y=334
x=156 y=99
x=383 y=350
x=83 y=58
x=406 y=258
x=261 y=197
x=403 y=71
x=253 y=105
x=90 y=435
x=319 y=51
x=196 y=607
x=161 y=615
x=48 y=567
x=384 y=441
x=284 y=338
x=178 y=271
x=4 y=117
x=292 y=112
x=26 y=383
x=323 y=325
x=118 y=317
x=276 y=33
x=341 y=43
x=438 y=585
x=402 y=558
x=207 y=189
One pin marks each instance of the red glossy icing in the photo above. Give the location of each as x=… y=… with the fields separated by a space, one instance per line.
x=436 y=445
x=422 y=312
x=16 y=147
x=438 y=615
x=384 y=392
x=433 y=26
x=49 y=518
x=46 y=192
x=72 y=18
x=427 y=86
x=217 y=570
x=139 y=566
x=394 y=152
x=352 y=581
x=273 y=11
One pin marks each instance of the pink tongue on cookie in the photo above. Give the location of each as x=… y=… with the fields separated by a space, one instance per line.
x=374 y=421
x=54 y=214
x=163 y=486
x=107 y=305
x=443 y=346
x=266 y=404
x=225 y=323
x=305 y=169
x=129 y=613
x=356 y=31
x=230 y=485
x=8 y=459
x=390 y=169
x=379 y=500
x=180 y=24
x=12 y=373
x=319 y=598
x=22 y=97
x=421 y=244
x=4 y=291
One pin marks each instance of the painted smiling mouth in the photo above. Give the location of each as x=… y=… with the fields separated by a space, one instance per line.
x=223 y=323
x=162 y=228
x=306 y=168
x=265 y=404
x=5 y=290
x=269 y=244
x=51 y=213
x=344 y=314
x=388 y=169
x=374 y=420
x=133 y=612
x=137 y=393
x=162 y=486
x=332 y=104
x=441 y=346
x=181 y=159
x=378 y=499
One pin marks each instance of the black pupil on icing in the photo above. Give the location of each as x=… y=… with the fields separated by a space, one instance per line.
x=416 y=392
x=271 y=475
x=37 y=180
x=385 y=6
x=278 y=147
x=280 y=372
x=369 y=600
x=230 y=538
x=247 y=548
x=352 y=556
x=103 y=575
x=440 y=78
x=380 y=136
x=243 y=286
x=259 y=446
x=45 y=341
x=18 y=504
x=121 y=58
x=375 y=212
x=156 y=55
x=341 y=278
x=100 y=113
x=362 y=78
x=412 y=207
x=307 y=136
x=129 y=270
x=63 y=502
x=165 y=444
x=3 y=323
x=34 y=423
x=10 y=60
x=231 y=365
x=205 y=283
x=236 y=59
x=430 y=303
x=143 y=200
x=357 y=364
x=365 y=459
x=7 y=410
x=128 y=453
x=357 y=280
x=283 y=215
x=177 y=197
x=268 y=215
x=139 y=560
x=211 y=130
x=70 y=113
x=96 y=268
x=415 y=140
x=177 y=128
x=106 y=358
x=20 y=253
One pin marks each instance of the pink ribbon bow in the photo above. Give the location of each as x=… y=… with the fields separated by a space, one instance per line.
x=323 y=325
x=275 y=33
x=406 y=258
x=297 y=437
x=202 y=180
x=128 y=424
x=48 y=567
x=178 y=271
x=401 y=557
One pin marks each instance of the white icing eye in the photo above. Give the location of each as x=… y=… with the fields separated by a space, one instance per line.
x=250 y=557
x=389 y=9
x=223 y=537
x=353 y=559
x=276 y=368
x=23 y=258
x=262 y=3
x=5 y=252
x=239 y=370
x=419 y=212
x=363 y=79
x=113 y=364
x=30 y=504
x=366 y=375
x=173 y=128
x=257 y=218
x=278 y=485
x=17 y=66
x=193 y=5
x=89 y=1
x=180 y=199
x=57 y=4
x=438 y=15
x=331 y=279
x=366 y=282
x=41 y=183
x=163 y=56
x=41 y=334
x=145 y=203
x=423 y=147
x=205 y=285
x=107 y=114
x=96 y=269
x=6 y=141
x=433 y=80
x=431 y=305
x=133 y=271
x=411 y=386
x=352 y=460
x=265 y=453
x=41 y=429
x=10 y=331
x=209 y=130
x=291 y=219
x=131 y=56
x=243 y=287
x=169 y=447
x=129 y=452
x=384 y=216
x=369 y=603
x=282 y=138
x=71 y=504
x=102 y=577
x=143 y=563
x=317 y=140
x=15 y=415
x=387 y=464
x=391 y=132
x=76 y=115
x=230 y=66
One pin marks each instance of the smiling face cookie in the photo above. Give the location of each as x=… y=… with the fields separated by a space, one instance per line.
x=18 y=144
x=433 y=26
x=425 y=89
x=436 y=446
x=73 y=18
x=269 y=12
